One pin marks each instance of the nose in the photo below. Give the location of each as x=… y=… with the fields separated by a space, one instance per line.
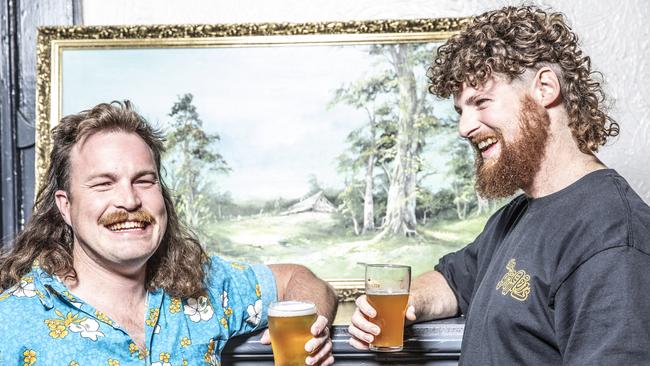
x=127 y=197
x=468 y=124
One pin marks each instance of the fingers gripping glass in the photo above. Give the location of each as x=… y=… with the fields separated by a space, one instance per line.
x=290 y=328
x=387 y=290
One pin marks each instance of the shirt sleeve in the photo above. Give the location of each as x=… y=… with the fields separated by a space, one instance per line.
x=459 y=269
x=602 y=315
x=462 y=269
x=243 y=292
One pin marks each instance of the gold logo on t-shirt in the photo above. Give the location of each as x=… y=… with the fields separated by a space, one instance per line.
x=516 y=283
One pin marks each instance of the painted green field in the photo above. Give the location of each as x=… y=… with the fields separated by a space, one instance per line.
x=315 y=240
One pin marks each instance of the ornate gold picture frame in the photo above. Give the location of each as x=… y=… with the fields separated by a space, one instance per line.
x=68 y=70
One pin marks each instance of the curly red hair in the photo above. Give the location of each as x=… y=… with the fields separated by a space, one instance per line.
x=512 y=40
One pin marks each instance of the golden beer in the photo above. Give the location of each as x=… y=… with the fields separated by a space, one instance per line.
x=391 y=309
x=387 y=291
x=290 y=327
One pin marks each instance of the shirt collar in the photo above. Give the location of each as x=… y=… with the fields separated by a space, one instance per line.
x=48 y=286
x=45 y=284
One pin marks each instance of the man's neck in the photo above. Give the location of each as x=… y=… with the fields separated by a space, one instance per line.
x=96 y=285
x=563 y=164
x=104 y=283
x=120 y=296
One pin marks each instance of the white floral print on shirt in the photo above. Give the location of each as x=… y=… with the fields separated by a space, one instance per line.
x=224 y=299
x=25 y=288
x=87 y=328
x=198 y=309
x=254 y=313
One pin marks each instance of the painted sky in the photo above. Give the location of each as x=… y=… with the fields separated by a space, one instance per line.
x=268 y=104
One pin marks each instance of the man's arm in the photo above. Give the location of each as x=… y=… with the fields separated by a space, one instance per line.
x=431 y=298
x=296 y=282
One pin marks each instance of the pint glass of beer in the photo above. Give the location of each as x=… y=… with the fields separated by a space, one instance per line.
x=290 y=327
x=387 y=290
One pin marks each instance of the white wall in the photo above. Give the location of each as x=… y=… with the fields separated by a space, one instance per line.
x=616 y=34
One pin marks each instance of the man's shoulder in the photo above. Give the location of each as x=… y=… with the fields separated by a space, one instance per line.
x=601 y=197
x=610 y=205
x=636 y=214
x=29 y=298
x=598 y=213
x=22 y=298
x=21 y=314
x=245 y=276
x=18 y=330
x=222 y=267
x=231 y=273
x=608 y=189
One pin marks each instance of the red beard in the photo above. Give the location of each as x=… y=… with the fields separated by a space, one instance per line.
x=519 y=161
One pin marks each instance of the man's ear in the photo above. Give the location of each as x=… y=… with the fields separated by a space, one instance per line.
x=546 y=87
x=63 y=203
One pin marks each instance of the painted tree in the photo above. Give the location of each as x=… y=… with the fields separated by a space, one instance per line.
x=314 y=185
x=351 y=204
x=398 y=94
x=364 y=148
x=461 y=173
x=413 y=122
x=191 y=158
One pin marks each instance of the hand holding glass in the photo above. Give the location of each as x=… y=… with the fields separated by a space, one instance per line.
x=290 y=328
x=387 y=290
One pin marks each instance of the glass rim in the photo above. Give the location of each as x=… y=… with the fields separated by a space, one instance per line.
x=285 y=302
x=284 y=308
x=387 y=265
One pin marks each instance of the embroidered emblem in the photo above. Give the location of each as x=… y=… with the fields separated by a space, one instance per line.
x=516 y=283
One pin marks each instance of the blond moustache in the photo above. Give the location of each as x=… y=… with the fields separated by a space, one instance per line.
x=122 y=216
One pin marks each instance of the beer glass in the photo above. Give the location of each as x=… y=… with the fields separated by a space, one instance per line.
x=290 y=327
x=387 y=290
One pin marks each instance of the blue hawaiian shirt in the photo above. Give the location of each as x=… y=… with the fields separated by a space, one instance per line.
x=42 y=323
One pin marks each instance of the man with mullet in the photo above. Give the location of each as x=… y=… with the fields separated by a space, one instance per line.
x=559 y=274
x=104 y=273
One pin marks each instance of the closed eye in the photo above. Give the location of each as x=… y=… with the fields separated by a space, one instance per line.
x=481 y=103
x=101 y=185
x=146 y=182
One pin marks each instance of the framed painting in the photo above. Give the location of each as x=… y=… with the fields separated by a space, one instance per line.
x=313 y=143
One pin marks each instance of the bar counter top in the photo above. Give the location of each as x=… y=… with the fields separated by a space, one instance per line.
x=430 y=343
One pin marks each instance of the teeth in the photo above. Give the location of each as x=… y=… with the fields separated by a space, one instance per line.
x=487 y=142
x=126 y=225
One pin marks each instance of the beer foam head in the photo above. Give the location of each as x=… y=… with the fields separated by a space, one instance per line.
x=292 y=308
x=388 y=291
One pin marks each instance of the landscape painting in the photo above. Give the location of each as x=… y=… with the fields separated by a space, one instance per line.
x=329 y=155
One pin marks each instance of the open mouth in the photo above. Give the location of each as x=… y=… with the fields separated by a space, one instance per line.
x=485 y=144
x=127 y=226
x=121 y=221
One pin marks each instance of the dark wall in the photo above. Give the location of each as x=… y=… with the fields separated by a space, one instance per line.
x=19 y=20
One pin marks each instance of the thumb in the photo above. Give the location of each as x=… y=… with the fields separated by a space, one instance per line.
x=410 y=313
x=266 y=337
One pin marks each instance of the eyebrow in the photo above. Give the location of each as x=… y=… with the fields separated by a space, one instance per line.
x=112 y=176
x=469 y=101
x=142 y=173
x=100 y=175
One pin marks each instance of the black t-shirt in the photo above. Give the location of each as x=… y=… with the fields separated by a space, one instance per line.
x=562 y=279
